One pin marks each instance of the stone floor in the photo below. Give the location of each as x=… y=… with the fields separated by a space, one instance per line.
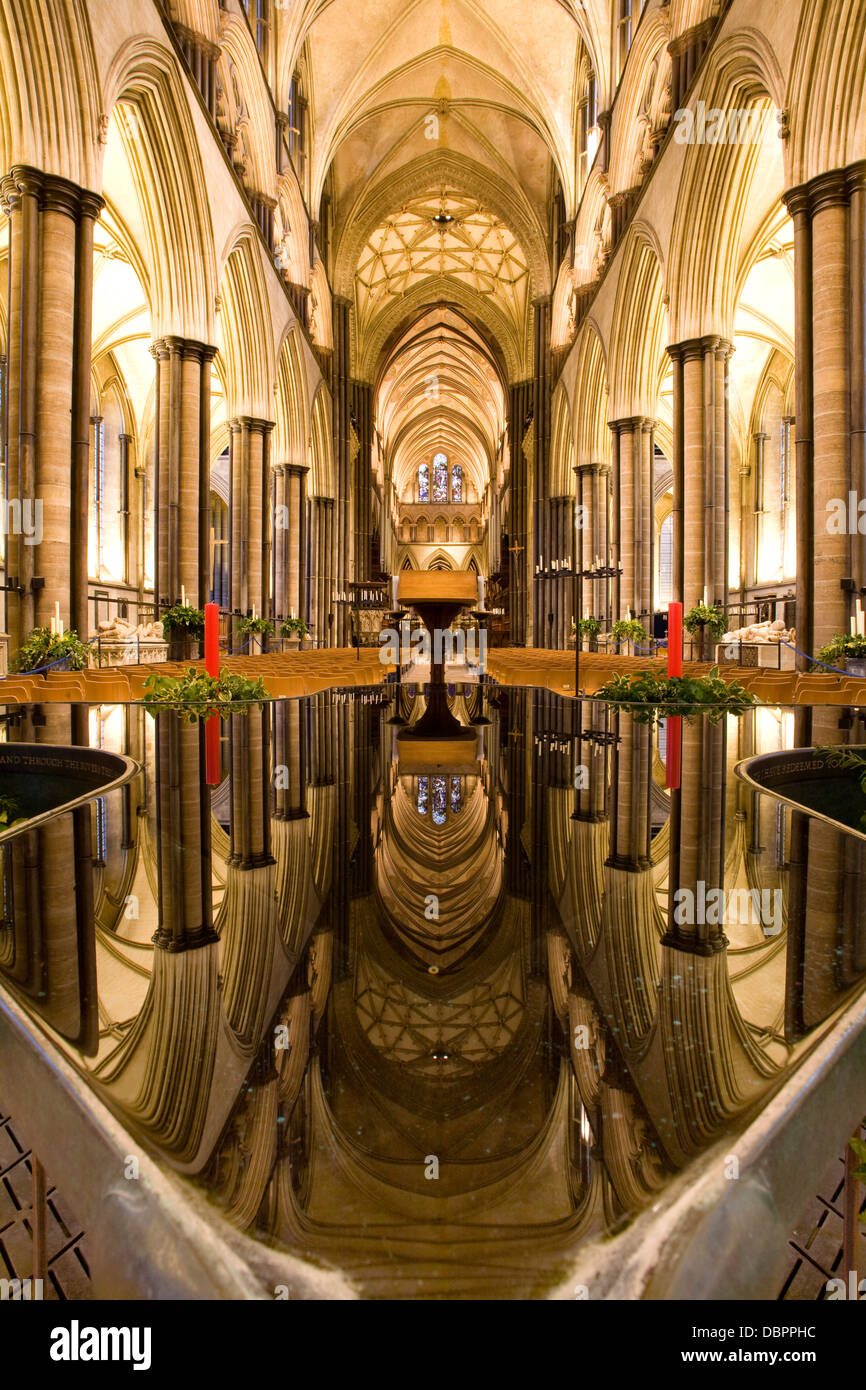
x=815 y=1244
x=67 y=1275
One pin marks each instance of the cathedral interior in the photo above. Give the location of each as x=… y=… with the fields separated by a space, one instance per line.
x=431 y=362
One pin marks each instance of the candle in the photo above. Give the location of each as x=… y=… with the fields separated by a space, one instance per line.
x=183 y=595
x=291 y=612
x=54 y=627
x=628 y=614
x=57 y=612
x=705 y=595
x=254 y=612
x=60 y=628
x=394 y=582
x=586 y=611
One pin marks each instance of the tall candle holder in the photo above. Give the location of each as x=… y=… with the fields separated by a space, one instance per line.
x=597 y=573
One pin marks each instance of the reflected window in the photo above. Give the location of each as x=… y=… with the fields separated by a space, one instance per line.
x=456 y=795
x=440 y=478
x=424 y=483
x=440 y=802
x=457 y=483
x=422 y=796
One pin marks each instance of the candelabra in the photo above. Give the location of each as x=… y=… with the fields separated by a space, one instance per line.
x=598 y=572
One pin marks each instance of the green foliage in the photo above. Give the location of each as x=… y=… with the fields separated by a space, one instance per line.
x=648 y=697
x=847 y=760
x=196 y=695
x=247 y=626
x=706 y=617
x=181 y=618
x=841 y=646
x=859 y=1149
x=591 y=627
x=294 y=627
x=10 y=811
x=43 y=647
x=628 y=630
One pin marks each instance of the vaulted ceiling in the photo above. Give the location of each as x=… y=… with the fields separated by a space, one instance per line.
x=441 y=392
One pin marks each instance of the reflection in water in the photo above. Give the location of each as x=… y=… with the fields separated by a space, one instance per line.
x=425 y=1010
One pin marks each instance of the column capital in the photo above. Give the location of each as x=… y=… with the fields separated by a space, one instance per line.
x=690 y=37
x=830 y=189
x=630 y=422
x=210 y=50
x=253 y=423
x=700 y=347
x=173 y=345
x=55 y=194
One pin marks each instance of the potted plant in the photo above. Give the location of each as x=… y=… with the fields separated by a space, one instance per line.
x=628 y=630
x=183 y=629
x=45 y=648
x=708 y=623
x=294 y=631
x=847 y=652
x=256 y=628
x=650 y=696
x=589 y=628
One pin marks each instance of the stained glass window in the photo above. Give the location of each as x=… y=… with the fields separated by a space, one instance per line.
x=439 y=801
x=424 y=483
x=440 y=478
x=457 y=483
x=422 y=796
x=456 y=795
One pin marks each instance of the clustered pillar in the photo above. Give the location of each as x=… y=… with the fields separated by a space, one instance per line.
x=249 y=554
x=290 y=539
x=633 y=513
x=182 y=470
x=829 y=215
x=700 y=467
x=49 y=321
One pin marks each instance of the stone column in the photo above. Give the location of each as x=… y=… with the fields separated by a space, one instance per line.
x=48 y=423
x=182 y=470
x=361 y=433
x=829 y=215
x=700 y=468
x=630 y=790
x=697 y=853
x=290 y=782
x=249 y=740
x=541 y=393
x=521 y=558
x=249 y=552
x=183 y=835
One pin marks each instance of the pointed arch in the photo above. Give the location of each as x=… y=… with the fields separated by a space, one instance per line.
x=292 y=408
x=639 y=331
x=590 y=398
x=724 y=186
x=825 y=103
x=322 y=448
x=149 y=114
x=561 y=482
x=49 y=112
x=245 y=330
